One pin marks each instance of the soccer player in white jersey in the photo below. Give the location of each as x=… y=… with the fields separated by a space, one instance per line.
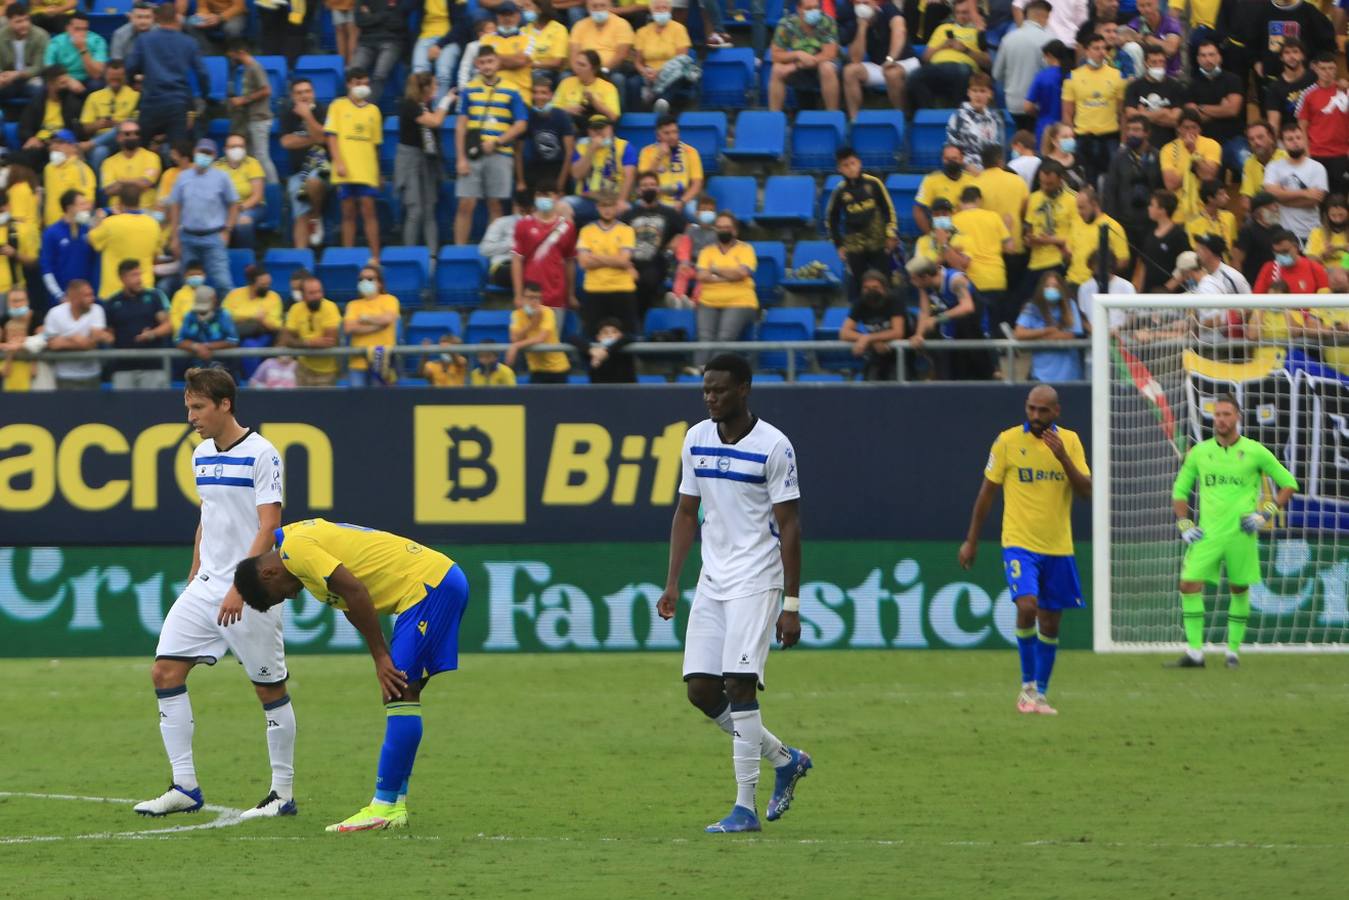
x=238 y=476
x=743 y=471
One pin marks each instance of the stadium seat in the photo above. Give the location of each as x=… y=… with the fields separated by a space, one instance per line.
x=926 y=138
x=827 y=330
x=903 y=189
x=793 y=324
x=728 y=78
x=878 y=137
x=407 y=271
x=812 y=251
x=409 y=381
x=772 y=260
x=388 y=148
x=279 y=76
x=637 y=128
x=706 y=133
x=768 y=378
x=430 y=324
x=240 y=259
x=816 y=134
x=217 y=68
x=282 y=261
x=488 y=326
x=738 y=14
x=820 y=378
x=688 y=378
x=823 y=206
x=339 y=269
x=736 y=193
x=759 y=134
x=459 y=275
x=327 y=72
x=271 y=207
x=788 y=200
x=652 y=379
x=660 y=318
x=578 y=378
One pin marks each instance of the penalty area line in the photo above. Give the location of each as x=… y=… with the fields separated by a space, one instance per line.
x=225 y=817
x=880 y=842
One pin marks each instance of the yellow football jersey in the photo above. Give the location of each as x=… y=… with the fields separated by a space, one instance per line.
x=1037 y=496
x=1096 y=95
x=359 y=131
x=141 y=165
x=397 y=572
x=1048 y=216
x=984 y=232
x=611 y=241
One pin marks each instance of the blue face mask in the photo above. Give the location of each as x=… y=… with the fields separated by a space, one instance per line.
x=1284 y=259
x=1068 y=145
x=543 y=204
x=507 y=30
x=16 y=311
x=1053 y=294
x=529 y=16
x=811 y=17
x=706 y=217
x=599 y=16
x=196 y=280
x=202 y=160
x=942 y=222
x=661 y=18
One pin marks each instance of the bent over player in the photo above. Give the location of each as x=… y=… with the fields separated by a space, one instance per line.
x=744 y=472
x=238 y=476
x=1228 y=469
x=364 y=572
x=1039 y=467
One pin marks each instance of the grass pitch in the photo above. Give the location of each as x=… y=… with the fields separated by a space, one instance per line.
x=591 y=776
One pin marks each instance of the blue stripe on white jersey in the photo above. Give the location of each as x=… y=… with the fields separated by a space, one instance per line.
x=232 y=482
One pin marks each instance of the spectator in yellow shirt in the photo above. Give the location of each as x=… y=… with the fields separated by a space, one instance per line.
x=1092 y=99
x=1328 y=243
x=604 y=251
x=513 y=47
x=986 y=238
x=727 y=304
x=1213 y=216
x=314 y=322
x=585 y=94
x=255 y=308
x=131 y=164
x=548 y=36
x=1264 y=150
x=371 y=321
x=194 y=276
x=130 y=234
x=449 y=369
x=947 y=184
x=490 y=371
x=533 y=323
x=666 y=72
x=1188 y=162
x=248 y=176
x=678 y=165
x=608 y=35
x=1086 y=240
x=103 y=110
x=65 y=171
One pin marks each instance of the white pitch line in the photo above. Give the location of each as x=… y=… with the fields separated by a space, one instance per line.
x=878 y=842
x=225 y=817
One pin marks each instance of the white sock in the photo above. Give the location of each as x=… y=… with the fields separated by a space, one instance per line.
x=176 y=726
x=281 y=745
x=1195 y=655
x=746 y=744
x=771 y=747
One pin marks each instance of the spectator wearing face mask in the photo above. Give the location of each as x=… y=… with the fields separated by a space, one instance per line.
x=1092 y=99
x=805 y=47
x=314 y=321
x=548 y=143
x=66 y=254
x=203 y=208
x=608 y=35
x=875 y=319
x=1329 y=243
x=1157 y=97
x=129 y=234
x=1298 y=183
x=608 y=360
x=533 y=323
x=728 y=303
x=1134 y=173
x=666 y=73
x=1219 y=99
x=16 y=372
x=370 y=321
x=1051 y=315
x=656 y=226
x=1303 y=275
x=355 y=130
x=946 y=184
x=255 y=308
x=1255 y=238
x=194 y=276
x=65 y=170
x=131 y=164
x=206 y=328
x=543 y=252
x=698 y=235
x=1025 y=161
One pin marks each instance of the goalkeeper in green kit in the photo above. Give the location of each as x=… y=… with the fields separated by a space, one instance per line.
x=1227 y=468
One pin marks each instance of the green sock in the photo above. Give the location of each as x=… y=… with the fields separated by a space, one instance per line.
x=1192 y=614
x=1238 y=611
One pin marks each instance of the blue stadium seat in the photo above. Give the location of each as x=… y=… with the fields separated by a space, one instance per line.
x=688 y=378
x=768 y=378
x=218 y=130
x=706 y=133
x=788 y=324
x=827 y=330
x=459 y=275
x=430 y=324
x=488 y=326
x=327 y=72
x=903 y=189
x=271 y=208
x=816 y=134
x=11 y=134
x=282 y=261
x=829 y=184
x=576 y=378
x=737 y=193
x=772 y=261
x=660 y=318
x=927 y=136
x=820 y=378
x=240 y=259
x=339 y=269
x=652 y=379
x=812 y=251
x=728 y=78
x=217 y=68
x=407 y=272
x=759 y=134
x=637 y=128
x=738 y=14
x=409 y=381
x=388 y=148
x=278 y=76
x=788 y=200
x=878 y=137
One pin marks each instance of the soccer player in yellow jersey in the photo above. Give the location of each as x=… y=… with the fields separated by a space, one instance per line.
x=364 y=572
x=1040 y=467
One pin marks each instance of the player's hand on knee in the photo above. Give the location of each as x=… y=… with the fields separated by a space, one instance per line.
x=1190 y=532
x=789 y=628
x=392 y=680
x=231 y=608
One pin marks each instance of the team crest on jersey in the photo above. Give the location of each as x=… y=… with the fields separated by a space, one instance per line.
x=219 y=470
x=723 y=464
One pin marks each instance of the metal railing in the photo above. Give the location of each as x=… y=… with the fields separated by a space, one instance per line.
x=1007 y=349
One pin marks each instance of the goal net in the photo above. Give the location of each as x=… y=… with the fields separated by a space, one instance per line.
x=1156 y=374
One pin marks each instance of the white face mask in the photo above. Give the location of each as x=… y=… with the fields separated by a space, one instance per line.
x=4 y=177
x=235 y=154
x=56 y=157
x=863 y=11
x=661 y=18
x=1156 y=73
x=361 y=91
x=4 y=218
x=296 y=295
x=83 y=217
x=600 y=16
x=367 y=287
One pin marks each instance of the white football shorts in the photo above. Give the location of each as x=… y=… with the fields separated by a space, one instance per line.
x=190 y=633
x=730 y=637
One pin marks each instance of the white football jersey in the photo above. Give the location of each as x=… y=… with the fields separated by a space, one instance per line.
x=738 y=484
x=232 y=483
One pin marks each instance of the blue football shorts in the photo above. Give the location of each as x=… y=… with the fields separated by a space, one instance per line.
x=1051 y=580
x=426 y=634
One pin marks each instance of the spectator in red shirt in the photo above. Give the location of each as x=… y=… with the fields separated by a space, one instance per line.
x=545 y=252
x=1302 y=275
x=1325 y=108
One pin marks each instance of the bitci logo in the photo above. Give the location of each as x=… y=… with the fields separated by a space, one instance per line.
x=469 y=463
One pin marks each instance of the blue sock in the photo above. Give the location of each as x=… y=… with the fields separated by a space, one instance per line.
x=1045 y=651
x=1025 y=645
x=402 y=734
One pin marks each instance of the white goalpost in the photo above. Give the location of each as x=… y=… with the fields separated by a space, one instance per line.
x=1156 y=372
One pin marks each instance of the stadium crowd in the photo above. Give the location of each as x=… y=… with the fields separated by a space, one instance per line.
x=161 y=163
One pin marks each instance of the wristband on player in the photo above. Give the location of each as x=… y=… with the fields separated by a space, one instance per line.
x=791 y=604
x=1184 y=525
